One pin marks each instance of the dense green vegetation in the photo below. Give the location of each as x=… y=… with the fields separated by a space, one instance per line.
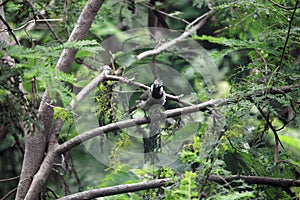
x=250 y=62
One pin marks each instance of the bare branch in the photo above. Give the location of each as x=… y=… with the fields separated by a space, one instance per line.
x=167 y=114
x=282 y=89
x=262 y=180
x=139 y=121
x=35 y=21
x=125 y=188
x=9 y=29
x=9 y=193
x=131 y=82
x=2 y=4
x=41 y=13
x=270 y=125
x=9 y=179
x=119 y=189
x=203 y=19
x=41 y=176
x=164 y=13
x=90 y=86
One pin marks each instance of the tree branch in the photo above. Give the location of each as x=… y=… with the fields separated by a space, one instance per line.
x=203 y=19
x=9 y=193
x=131 y=82
x=151 y=7
x=287 y=39
x=33 y=21
x=9 y=179
x=125 y=188
x=9 y=29
x=270 y=125
x=41 y=176
x=261 y=180
x=79 y=32
x=36 y=143
x=167 y=114
x=40 y=13
x=90 y=86
x=139 y=121
x=119 y=189
x=3 y=3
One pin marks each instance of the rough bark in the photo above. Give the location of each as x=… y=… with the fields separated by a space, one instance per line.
x=41 y=176
x=36 y=144
x=25 y=178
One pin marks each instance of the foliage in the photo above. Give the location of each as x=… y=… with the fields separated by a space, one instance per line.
x=14 y=107
x=256 y=46
x=14 y=104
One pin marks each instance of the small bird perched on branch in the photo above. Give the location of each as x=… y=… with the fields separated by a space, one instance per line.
x=154 y=96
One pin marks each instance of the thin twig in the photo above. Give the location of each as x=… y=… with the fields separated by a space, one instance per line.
x=9 y=193
x=9 y=179
x=294 y=164
x=90 y=86
x=188 y=31
x=290 y=120
x=281 y=6
x=54 y=194
x=73 y=171
x=37 y=20
x=3 y=3
x=164 y=13
x=262 y=180
x=40 y=13
x=9 y=29
x=198 y=20
x=277 y=140
x=140 y=85
x=286 y=40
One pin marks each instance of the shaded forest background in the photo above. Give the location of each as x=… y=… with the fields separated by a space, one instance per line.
x=246 y=142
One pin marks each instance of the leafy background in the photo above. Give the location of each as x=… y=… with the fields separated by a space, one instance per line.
x=255 y=45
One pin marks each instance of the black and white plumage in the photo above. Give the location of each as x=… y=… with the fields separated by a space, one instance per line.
x=155 y=96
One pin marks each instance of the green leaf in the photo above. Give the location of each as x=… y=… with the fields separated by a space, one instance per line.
x=125 y=59
x=292 y=142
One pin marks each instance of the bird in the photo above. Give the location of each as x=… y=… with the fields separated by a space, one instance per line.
x=154 y=96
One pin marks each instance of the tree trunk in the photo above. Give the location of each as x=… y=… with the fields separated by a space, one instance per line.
x=35 y=145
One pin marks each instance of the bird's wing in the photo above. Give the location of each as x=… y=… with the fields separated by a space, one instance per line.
x=145 y=95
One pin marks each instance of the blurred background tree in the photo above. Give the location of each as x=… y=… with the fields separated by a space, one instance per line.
x=255 y=45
